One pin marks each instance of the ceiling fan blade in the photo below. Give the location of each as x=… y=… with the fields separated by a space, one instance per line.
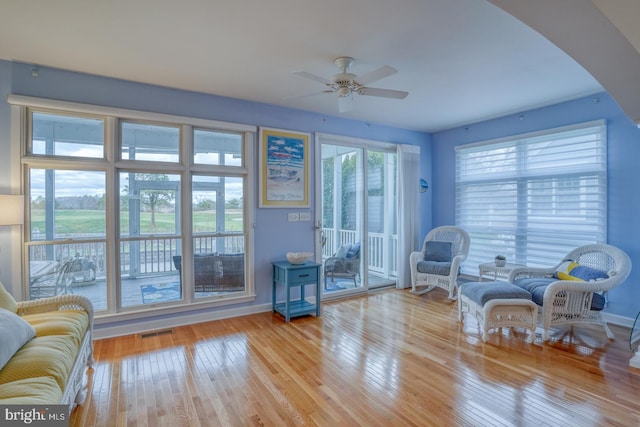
x=384 y=93
x=376 y=75
x=313 y=77
x=345 y=103
x=307 y=95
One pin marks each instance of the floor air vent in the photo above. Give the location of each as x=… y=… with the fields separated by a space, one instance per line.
x=156 y=333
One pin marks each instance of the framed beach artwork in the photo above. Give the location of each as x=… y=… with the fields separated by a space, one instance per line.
x=284 y=169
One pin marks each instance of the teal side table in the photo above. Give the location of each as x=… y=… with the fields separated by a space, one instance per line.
x=291 y=276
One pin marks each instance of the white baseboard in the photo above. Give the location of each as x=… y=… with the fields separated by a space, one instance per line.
x=618 y=320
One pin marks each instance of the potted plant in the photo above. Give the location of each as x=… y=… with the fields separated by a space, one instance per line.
x=501 y=260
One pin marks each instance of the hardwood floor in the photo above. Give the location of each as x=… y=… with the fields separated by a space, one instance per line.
x=387 y=359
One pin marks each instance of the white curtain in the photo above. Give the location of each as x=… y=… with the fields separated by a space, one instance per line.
x=408 y=209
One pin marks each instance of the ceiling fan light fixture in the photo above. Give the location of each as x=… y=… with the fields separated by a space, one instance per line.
x=345 y=84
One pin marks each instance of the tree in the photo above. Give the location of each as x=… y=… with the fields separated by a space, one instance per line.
x=154 y=195
x=233 y=204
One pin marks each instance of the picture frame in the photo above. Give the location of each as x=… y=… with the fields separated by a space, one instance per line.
x=284 y=169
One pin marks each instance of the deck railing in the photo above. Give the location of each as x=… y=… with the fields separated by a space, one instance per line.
x=142 y=257
x=138 y=257
x=381 y=248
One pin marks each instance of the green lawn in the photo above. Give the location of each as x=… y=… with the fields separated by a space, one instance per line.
x=70 y=222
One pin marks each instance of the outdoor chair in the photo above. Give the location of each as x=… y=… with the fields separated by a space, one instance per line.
x=344 y=264
x=574 y=291
x=438 y=264
x=56 y=283
x=82 y=270
x=230 y=276
x=215 y=272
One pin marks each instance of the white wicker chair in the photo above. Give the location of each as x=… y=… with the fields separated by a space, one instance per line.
x=422 y=283
x=568 y=301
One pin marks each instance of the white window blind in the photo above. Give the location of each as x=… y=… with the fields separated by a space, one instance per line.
x=533 y=197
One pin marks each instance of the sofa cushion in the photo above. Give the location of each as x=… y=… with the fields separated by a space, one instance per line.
x=71 y=323
x=437 y=251
x=14 y=333
x=31 y=391
x=434 y=267
x=537 y=285
x=48 y=356
x=7 y=301
x=482 y=292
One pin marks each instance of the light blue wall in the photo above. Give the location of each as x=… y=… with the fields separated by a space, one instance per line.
x=274 y=236
x=623 y=171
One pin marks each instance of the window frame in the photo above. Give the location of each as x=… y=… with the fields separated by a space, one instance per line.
x=527 y=242
x=111 y=164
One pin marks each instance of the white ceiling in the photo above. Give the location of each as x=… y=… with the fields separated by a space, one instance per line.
x=461 y=61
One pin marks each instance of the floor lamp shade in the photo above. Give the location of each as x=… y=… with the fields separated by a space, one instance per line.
x=11 y=209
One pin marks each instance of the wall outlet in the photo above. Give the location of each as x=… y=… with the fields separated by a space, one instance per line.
x=293 y=216
x=305 y=216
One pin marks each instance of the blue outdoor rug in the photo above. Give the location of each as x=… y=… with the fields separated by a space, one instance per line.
x=338 y=285
x=152 y=294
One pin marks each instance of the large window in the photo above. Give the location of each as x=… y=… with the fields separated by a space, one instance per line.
x=135 y=210
x=533 y=197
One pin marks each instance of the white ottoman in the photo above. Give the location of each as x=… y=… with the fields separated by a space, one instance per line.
x=498 y=305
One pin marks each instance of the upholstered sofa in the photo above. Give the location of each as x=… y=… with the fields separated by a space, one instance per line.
x=46 y=346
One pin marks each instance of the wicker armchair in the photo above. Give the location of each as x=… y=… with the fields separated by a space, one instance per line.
x=443 y=276
x=569 y=301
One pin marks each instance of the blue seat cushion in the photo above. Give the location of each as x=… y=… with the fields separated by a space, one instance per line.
x=537 y=285
x=434 y=267
x=482 y=292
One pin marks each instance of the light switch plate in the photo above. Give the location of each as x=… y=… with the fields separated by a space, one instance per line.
x=293 y=216
x=305 y=216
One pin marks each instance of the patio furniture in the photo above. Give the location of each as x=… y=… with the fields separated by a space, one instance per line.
x=55 y=283
x=41 y=268
x=438 y=264
x=491 y=271
x=498 y=305
x=344 y=264
x=574 y=291
x=215 y=272
x=82 y=271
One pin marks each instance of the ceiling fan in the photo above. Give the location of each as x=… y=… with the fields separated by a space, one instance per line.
x=345 y=84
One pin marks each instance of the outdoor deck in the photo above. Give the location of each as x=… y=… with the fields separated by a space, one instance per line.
x=132 y=292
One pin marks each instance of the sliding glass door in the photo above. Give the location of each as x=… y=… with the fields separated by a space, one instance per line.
x=382 y=238
x=342 y=217
x=356 y=219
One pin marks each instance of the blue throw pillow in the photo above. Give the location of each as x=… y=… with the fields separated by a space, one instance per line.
x=15 y=333
x=437 y=251
x=342 y=251
x=354 y=251
x=588 y=274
